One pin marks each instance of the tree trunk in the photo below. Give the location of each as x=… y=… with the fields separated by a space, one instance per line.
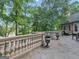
x=16 y=28
x=6 y=29
x=16 y=24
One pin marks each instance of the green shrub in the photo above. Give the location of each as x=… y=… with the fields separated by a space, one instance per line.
x=0 y=54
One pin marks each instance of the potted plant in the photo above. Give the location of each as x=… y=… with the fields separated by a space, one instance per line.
x=47 y=40
x=0 y=54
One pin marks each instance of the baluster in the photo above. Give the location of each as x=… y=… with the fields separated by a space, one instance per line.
x=41 y=37
x=36 y=39
x=14 y=46
x=22 y=44
x=2 y=49
x=28 y=43
x=5 y=48
x=36 y=44
x=10 y=48
x=25 y=44
x=32 y=42
x=19 y=47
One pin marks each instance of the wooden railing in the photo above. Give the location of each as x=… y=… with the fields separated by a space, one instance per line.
x=13 y=47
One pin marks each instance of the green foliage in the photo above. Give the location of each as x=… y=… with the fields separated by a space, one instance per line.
x=47 y=17
x=23 y=18
x=0 y=54
x=74 y=7
x=3 y=31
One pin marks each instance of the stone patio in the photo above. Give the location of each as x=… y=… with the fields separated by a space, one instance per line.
x=65 y=48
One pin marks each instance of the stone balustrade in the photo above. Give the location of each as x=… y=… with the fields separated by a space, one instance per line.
x=13 y=47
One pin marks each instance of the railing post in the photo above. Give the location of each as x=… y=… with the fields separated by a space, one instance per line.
x=43 y=40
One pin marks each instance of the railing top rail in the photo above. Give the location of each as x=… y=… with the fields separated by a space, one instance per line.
x=21 y=36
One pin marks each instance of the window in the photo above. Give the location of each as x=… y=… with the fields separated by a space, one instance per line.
x=75 y=27
x=69 y=27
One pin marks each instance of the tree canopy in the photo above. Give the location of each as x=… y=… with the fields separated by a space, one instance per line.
x=26 y=16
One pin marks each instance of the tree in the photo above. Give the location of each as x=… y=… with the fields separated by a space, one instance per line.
x=74 y=7
x=17 y=12
x=3 y=15
x=58 y=11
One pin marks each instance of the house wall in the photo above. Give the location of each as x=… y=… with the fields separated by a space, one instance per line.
x=78 y=26
x=67 y=29
x=72 y=28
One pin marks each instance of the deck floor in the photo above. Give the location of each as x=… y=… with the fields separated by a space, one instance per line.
x=65 y=48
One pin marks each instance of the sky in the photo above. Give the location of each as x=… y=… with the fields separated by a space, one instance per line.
x=74 y=0
x=39 y=1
